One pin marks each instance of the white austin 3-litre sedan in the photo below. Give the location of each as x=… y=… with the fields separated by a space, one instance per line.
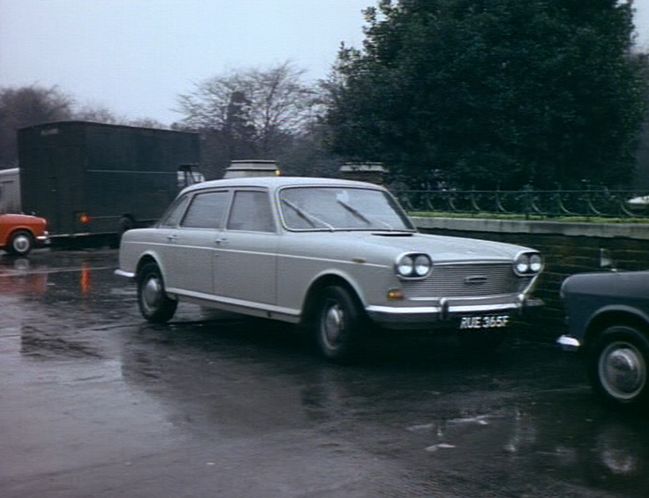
x=337 y=256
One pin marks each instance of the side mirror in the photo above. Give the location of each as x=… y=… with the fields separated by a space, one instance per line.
x=606 y=261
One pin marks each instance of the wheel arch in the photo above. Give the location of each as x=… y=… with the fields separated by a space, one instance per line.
x=616 y=316
x=144 y=260
x=20 y=228
x=323 y=281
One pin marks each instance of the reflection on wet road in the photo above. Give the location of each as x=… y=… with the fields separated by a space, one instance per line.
x=94 y=402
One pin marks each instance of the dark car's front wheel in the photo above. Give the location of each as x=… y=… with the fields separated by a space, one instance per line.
x=618 y=363
x=152 y=299
x=338 y=324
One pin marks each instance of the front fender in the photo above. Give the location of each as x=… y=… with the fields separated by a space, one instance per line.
x=610 y=313
x=339 y=274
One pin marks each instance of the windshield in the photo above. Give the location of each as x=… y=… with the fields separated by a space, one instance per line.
x=341 y=208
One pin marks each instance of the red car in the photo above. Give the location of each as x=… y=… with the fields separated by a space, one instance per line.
x=20 y=233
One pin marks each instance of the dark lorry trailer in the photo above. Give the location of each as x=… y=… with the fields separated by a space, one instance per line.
x=90 y=178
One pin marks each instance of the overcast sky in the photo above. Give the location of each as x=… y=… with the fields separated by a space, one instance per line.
x=135 y=56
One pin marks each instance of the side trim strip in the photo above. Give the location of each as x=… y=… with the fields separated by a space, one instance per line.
x=241 y=303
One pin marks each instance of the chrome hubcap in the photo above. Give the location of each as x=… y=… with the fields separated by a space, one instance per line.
x=21 y=243
x=333 y=324
x=152 y=293
x=622 y=370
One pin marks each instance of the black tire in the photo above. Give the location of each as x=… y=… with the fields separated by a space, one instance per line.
x=154 y=304
x=618 y=366
x=21 y=243
x=338 y=324
x=125 y=223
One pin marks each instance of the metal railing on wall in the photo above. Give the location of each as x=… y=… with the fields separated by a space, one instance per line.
x=600 y=203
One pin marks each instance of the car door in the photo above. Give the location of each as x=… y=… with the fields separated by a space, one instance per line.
x=194 y=242
x=247 y=253
x=164 y=236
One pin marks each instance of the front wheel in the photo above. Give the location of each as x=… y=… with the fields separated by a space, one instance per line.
x=338 y=324
x=617 y=366
x=154 y=304
x=21 y=243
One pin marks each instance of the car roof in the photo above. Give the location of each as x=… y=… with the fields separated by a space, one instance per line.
x=275 y=182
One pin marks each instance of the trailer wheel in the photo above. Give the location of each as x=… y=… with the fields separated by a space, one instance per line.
x=125 y=223
x=21 y=243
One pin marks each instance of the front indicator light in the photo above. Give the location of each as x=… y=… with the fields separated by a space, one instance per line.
x=395 y=295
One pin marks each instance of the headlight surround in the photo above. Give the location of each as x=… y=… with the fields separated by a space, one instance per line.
x=528 y=264
x=414 y=266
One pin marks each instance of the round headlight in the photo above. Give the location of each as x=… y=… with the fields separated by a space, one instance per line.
x=536 y=263
x=406 y=266
x=522 y=264
x=422 y=265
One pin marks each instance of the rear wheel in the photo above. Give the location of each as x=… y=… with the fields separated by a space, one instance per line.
x=618 y=363
x=21 y=243
x=154 y=304
x=338 y=324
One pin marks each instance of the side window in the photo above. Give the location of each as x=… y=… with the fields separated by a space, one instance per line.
x=172 y=217
x=251 y=211
x=206 y=210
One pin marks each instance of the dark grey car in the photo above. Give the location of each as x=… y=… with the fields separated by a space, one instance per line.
x=608 y=319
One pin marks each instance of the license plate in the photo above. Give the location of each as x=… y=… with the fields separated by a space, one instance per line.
x=484 y=322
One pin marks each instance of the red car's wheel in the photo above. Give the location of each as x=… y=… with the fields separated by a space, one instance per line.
x=21 y=243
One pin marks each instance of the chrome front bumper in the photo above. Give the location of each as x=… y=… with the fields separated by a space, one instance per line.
x=420 y=317
x=43 y=240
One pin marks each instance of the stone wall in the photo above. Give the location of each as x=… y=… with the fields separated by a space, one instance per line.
x=567 y=249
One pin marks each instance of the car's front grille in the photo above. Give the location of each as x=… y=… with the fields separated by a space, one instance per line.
x=467 y=280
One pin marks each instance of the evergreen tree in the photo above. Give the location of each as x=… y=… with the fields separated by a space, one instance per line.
x=492 y=92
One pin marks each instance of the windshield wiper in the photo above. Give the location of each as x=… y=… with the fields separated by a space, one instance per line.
x=308 y=217
x=354 y=211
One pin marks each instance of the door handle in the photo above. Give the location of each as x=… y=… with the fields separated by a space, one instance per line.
x=220 y=240
x=172 y=238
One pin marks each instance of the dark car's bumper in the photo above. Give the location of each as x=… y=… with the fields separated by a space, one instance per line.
x=569 y=343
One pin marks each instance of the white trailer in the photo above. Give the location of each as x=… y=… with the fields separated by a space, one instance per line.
x=10 y=191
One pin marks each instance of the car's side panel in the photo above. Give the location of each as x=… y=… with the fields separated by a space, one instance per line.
x=303 y=259
x=189 y=259
x=143 y=243
x=246 y=266
x=10 y=223
x=589 y=296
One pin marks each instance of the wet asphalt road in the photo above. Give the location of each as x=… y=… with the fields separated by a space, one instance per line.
x=94 y=402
